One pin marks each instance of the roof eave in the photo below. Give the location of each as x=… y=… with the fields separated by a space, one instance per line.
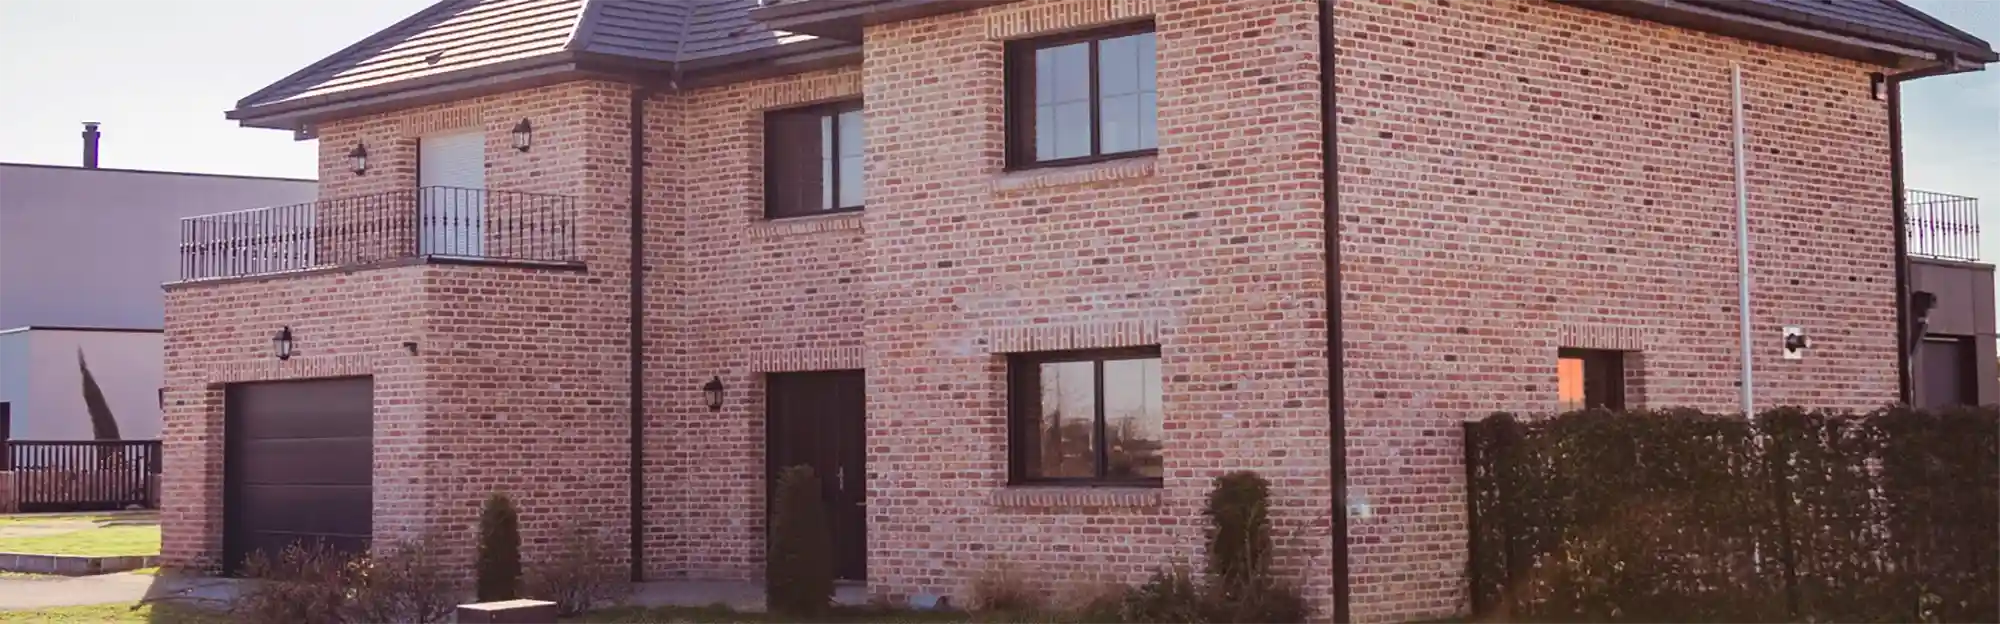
x=1868 y=49
x=303 y=113
x=843 y=19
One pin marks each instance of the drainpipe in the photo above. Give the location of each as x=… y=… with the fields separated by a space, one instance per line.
x=1742 y=240
x=1336 y=410
x=1899 y=196
x=636 y=340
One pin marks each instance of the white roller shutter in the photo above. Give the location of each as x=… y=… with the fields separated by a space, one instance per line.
x=451 y=169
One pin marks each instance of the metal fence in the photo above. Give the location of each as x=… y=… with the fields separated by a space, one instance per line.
x=87 y=475
x=432 y=221
x=1942 y=226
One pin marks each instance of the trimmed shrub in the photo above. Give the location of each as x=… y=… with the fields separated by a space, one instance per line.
x=499 y=564
x=1239 y=529
x=798 y=574
x=1678 y=515
x=1003 y=589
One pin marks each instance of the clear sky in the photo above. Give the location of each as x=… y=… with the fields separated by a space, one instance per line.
x=159 y=73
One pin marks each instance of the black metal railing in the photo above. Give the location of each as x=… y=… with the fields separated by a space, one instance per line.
x=432 y=221
x=82 y=475
x=1942 y=226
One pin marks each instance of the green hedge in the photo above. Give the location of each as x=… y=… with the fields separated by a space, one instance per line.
x=1677 y=515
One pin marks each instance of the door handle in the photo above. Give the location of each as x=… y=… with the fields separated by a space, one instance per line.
x=840 y=477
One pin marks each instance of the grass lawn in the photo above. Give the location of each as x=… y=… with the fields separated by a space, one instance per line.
x=102 y=541
x=62 y=517
x=116 y=613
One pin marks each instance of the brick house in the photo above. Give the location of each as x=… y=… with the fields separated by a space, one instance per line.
x=622 y=258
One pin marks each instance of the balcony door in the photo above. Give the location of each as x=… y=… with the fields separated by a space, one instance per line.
x=451 y=176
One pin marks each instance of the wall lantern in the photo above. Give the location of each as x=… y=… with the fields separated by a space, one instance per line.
x=524 y=135
x=282 y=343
x=714 y=391
x=360 y=158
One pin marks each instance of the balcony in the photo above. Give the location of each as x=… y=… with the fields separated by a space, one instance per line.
x=420 y=224
x=1941 y=226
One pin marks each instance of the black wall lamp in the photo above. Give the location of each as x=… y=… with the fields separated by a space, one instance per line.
x=282 y=343
x=524 y=135
x=714 y=391
x=360 y=159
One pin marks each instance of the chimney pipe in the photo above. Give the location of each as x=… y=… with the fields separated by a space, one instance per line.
x=90 y=135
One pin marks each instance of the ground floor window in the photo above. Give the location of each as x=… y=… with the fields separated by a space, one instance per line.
x=1086 y=417
x=1590 y=379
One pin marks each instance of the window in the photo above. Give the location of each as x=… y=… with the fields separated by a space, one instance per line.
x=1078 y=98
x=1087 y=417
x=813 y=160
x=1590 y=379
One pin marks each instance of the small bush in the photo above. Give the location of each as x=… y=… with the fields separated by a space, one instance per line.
x=1170 y=596
x=499 y=564
x=798 y=572
x=1097 y=603
x=1003 y=589
x=581 y=576
x=1239 y=534
x=317 y=584
x=407 y=582
x=304 y=584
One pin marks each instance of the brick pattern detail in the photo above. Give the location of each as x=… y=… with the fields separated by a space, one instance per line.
x=1077 y=499
x=1035 y=179
x=1610 y=337
x=803 y=91
x=1514 y=166
x=844 y=358
x=769 y=228
x=299 y=367
x=1135 y=333
x=1037 y=18
x=443 y=120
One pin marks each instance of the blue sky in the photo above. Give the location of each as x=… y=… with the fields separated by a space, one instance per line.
x=159 y=73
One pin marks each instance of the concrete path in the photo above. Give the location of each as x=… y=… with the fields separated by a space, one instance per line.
x=36 y=592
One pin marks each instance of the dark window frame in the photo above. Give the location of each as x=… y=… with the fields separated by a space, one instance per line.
x=1020 y=98
x=1603 y=376
x=1024 y=395
x=822 y=110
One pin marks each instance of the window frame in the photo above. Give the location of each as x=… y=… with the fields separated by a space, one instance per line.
x=1020 y=97
x=1604 y=377
x=1024 y=394
x=834 y=110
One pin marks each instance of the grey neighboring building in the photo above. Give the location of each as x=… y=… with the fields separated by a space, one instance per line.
x=83 y=252
x=91 y=247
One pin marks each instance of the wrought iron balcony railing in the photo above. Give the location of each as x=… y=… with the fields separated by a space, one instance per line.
x=1942 y=226
x=427 y=222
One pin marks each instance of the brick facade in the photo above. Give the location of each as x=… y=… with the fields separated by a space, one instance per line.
x=1515 y=177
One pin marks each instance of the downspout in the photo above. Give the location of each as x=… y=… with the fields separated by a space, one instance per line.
x=1742 y=241
x=636 y=337
x=1336 y=410
x=1899 y=196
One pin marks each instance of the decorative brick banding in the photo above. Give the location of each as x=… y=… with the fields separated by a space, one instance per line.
x=1035 y=18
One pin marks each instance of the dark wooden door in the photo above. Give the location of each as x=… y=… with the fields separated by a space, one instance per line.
x=816 y=419
x=1945 y=370
x=297 y=466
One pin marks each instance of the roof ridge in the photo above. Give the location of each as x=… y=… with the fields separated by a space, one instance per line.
x=249 y=100
x=585 y=25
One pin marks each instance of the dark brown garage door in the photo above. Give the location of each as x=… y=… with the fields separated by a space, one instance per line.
x=297 y=466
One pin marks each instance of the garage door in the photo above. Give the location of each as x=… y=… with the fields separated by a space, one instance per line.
x=297 y=466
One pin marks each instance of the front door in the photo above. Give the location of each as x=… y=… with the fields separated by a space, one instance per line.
x=816 y=419
x=1945 y=366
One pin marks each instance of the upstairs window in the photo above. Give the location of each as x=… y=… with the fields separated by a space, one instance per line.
x=1590 y=379
x=813 y=160
x=1087 y=417
x=1082 y=97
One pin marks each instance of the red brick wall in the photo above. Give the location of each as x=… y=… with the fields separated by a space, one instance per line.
x=1212 y=251
x=519 y=376
x=735 y=296
x=1521 y=176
